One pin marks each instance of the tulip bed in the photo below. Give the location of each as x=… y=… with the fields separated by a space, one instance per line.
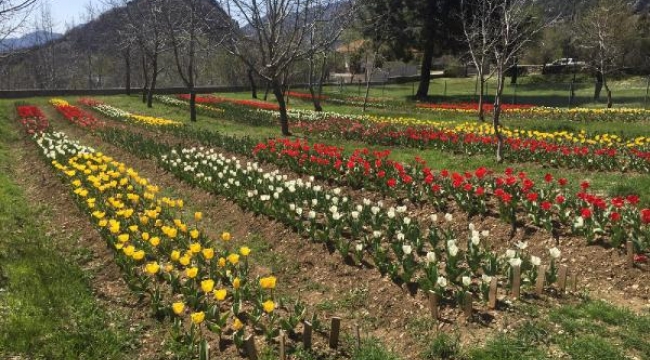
x=75 y=115
x=32 y=119
x=516 y=197
x=561 y=149
x=119 y=114
x=201 y=284
x=523 y=112
x=213 y=100
x=421 y=251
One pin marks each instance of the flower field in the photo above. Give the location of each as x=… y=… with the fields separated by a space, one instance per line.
x=256 y=246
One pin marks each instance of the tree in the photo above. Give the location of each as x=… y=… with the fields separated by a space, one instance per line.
x=479 y=19
x=146 y=24
x=13 y=14
x=504 y=27
x=605 y=33
x=190 y=24
x=279 y=31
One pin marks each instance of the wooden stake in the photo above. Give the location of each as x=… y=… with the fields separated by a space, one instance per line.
x=467 y=305
x=629 y=246
x=516 y=282
x=561 y=282
x=541 y=279
x=574 y=281
x=433 y=304
x=283 y=341
x=249 y=345
x=358 y=336
x=334 y=332
x=306 y=335
x=492 y=296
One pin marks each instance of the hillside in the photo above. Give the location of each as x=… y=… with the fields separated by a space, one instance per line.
x=29 y=40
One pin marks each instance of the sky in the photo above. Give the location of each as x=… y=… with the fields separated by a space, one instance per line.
x=65 y=13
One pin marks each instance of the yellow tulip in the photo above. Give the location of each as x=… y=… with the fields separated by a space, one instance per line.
x=198 y=216
x=237 y=324
x=233 y=259
x=195 y=248
x=268 y=282
x=192 y=272
x=220 y=295
x=207 y=285
x=198 y=317
x=194 y=234
x=268 y=306
x=155 y=241
x=152 y=268
x=236 y=283
x=244 y=250
x=225 y=236
x=178 y=308
x=138 y=255
x=208 y=253
x=175 y=255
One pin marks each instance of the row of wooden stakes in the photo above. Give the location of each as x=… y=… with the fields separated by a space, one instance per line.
x=335 y=329
x=562 y=282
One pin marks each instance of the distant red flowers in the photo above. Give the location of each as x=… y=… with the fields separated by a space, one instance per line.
x=212 y=100
x=32 y=119
x=77 y=116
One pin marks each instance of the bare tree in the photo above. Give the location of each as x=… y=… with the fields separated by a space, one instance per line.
x=191 y=24
x=147 y=28
x=479 y=25
x=13 y=14
x=604 y=33
x=500 y=28
x=279 y=29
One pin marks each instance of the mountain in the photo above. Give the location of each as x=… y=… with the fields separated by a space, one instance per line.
x=29 y=40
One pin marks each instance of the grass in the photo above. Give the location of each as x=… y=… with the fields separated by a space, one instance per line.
x=588 y=330
x=47 y=308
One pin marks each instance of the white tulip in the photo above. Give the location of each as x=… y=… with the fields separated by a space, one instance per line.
x=555 y=252
x=535 y=260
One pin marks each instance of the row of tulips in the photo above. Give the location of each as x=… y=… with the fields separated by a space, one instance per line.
x=523 y=112
x=182 y=104
x=555 y=152
x=119 y=114
x=517 y=197
x=471 y=107
x=75 y=115
x=549 y=205
x=425 y=252
x=203 y=285
x=32 y=119
x=215 y=100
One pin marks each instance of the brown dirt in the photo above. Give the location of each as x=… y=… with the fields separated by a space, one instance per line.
x=359 y=295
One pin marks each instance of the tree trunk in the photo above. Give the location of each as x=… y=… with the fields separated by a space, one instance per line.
x=497 y=114
x=481 y=112
x=145 y=78
x=425 y=74
x=251 y=79
x=127 y=63
x=368 y=77
x=266 y=92
x=152 y=88
x=599 y=85
x=279 y=96
x=192 y=104
x=314 y=97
